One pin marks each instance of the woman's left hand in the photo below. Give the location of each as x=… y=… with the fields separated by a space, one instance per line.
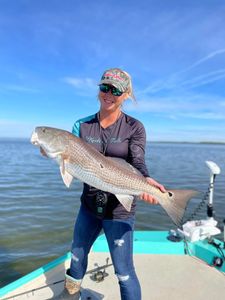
x=148 y=198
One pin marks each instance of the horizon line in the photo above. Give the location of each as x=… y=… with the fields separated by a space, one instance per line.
x=148 y=141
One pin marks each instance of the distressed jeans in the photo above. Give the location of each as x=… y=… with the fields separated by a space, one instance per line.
x=119 y=235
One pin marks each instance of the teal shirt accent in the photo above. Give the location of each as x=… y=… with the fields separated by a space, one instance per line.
x=76 y=126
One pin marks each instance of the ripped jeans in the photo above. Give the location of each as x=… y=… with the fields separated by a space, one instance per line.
x=119 y=234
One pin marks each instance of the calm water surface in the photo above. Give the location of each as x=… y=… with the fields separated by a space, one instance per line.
x=37 y=211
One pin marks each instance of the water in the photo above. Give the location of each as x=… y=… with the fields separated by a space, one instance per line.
x=37 y=211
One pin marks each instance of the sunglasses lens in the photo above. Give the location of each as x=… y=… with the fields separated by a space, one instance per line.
x=104 y=88
x=116 y=92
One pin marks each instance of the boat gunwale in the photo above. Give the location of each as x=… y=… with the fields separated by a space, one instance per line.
x=33 y=275
x=145 y=242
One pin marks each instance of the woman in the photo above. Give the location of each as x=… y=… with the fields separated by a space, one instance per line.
x=114 y=134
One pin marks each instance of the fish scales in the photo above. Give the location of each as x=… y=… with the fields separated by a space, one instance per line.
x=77 y=159
x=106 y=169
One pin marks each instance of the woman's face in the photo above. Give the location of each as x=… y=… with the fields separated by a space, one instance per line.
x=109 y=102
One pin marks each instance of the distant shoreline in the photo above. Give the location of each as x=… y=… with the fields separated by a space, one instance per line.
x=18 y=139
x=183 y=142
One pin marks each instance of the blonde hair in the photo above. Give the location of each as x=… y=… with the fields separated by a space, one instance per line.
x=130 y=87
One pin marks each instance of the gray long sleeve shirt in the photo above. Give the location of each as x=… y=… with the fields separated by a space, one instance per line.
x=126 y=139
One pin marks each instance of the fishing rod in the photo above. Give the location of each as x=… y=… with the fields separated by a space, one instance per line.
x=97 y=274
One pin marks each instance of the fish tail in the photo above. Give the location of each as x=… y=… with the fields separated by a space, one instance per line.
x=177 y=203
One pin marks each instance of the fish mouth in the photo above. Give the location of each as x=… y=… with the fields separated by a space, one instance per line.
x=34 y=139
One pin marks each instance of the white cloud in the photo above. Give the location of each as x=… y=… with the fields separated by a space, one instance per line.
x=204 y=79
x=203 y=60
x=185 y=79
x=199 y=106
x=18 y=88
x=83 y=86
x=80 y=82
x=204 y=115
x=177 y=82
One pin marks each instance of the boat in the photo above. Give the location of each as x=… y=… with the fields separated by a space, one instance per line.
x=186 y=263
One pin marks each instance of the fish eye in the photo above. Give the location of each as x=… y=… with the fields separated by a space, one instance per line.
x=44 y=130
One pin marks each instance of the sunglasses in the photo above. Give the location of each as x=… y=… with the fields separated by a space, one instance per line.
x=105 y=88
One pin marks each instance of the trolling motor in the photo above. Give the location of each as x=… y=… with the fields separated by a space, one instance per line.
x=202 y=229
x=215 y=170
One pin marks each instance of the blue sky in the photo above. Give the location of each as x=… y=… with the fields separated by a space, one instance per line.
x=52 y=55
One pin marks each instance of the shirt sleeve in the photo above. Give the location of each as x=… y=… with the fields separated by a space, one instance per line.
x=76 y=129
x=137 y=149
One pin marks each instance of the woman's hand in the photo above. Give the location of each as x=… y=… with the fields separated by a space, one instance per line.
x=148 y=198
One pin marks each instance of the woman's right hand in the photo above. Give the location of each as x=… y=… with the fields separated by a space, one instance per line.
x=149 y=198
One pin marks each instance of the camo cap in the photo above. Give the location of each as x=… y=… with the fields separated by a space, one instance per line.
x=117 y=78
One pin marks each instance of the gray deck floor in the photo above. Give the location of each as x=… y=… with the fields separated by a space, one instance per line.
x=162 y=277
x=167 y=277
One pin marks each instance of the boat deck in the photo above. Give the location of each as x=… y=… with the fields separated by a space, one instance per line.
x=161 y=276
x=165 y=277
x=163 y=268
x=179 y=277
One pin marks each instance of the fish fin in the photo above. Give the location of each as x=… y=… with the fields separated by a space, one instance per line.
x=121 y=162
x=67 y=177
x=177 y=203
x=125 y=200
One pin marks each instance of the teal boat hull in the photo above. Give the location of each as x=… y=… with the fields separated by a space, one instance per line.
x=145 y=242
